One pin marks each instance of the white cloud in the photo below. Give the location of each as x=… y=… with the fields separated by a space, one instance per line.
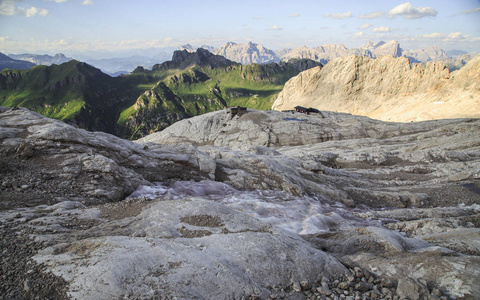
x=57 y=1
x=275 y=27
x=409 y=12
x=8 y=8
x=372 y=15
x=294 y=15
x=359 y=34
x=339 y=15
x=87 y=2
x=33 y=11
x=382 y=29
x=470 y=11
x=258 y=18
x=437 y=37
x=365 y=26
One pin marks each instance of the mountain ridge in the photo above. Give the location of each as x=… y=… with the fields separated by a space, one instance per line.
x=44 y=59
x=387 y=88
x=7 y=62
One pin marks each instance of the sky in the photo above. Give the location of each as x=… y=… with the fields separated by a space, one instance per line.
x=103 y=28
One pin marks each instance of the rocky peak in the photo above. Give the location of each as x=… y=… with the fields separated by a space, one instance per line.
x=390 y=48
x=187 y=47
x=372 y=46
x=426 y=54
x=201 y=57
x=247 y=53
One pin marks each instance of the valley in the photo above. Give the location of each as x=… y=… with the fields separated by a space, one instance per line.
x=144 y=101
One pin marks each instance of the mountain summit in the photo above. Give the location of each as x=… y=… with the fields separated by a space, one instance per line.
x=183 y=59
x=247 y=53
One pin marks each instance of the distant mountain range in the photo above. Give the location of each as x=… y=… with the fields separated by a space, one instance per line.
x=10 y=63
x=45 y=59
x=256 y=53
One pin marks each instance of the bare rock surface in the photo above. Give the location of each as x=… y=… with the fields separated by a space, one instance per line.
x=44 y=161
x=268 y=205
x=387 y=88
x=351 y=159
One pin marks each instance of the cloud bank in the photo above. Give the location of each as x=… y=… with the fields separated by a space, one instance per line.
x=372 y=15
x=407 y=11
x=8 y=8
x=339 y=15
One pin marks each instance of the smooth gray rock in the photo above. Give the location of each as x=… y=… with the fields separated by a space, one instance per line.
x=92 y=165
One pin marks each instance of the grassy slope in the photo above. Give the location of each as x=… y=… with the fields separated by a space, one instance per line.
x=169 y=92
x=235 y=86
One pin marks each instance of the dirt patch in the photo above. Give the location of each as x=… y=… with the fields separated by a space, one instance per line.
x=21 y=277
x=187 y=233
x=123 y=209
x=202 y=221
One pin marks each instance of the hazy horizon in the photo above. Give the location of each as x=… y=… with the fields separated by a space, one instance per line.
x=100 y=28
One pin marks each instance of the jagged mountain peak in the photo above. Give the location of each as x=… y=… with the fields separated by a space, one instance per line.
x=247 y=53
x=188 y=47
x=200 y=57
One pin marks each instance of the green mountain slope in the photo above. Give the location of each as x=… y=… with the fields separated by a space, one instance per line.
x=204 y=82
x=144 y=101
x=74 y=92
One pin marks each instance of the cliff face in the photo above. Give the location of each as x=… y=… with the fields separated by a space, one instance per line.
x=386 y=88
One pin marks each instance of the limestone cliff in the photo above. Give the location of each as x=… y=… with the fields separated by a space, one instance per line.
x=247 y=53
x=387 y=88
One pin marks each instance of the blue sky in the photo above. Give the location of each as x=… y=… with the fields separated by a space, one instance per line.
x=108 y=27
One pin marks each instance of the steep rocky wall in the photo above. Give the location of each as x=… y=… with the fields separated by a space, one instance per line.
x=386 y=88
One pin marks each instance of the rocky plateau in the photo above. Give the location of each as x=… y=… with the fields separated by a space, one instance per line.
x=267 y=205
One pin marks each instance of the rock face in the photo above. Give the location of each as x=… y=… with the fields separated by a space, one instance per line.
x=426 y=54
x=326 y=53
x=265 y=205
x=386 y=88
x=247 y=53
x=76 y=164
x=357 y=141
x=322 y=54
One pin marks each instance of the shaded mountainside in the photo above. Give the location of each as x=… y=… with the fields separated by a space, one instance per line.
x=387 y=88
x=14 y=64
x=74 y=92
x=145 y=100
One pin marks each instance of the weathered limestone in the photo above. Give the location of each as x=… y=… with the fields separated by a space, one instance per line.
x=387 y=88
x=302 y=206
x=96 y=167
